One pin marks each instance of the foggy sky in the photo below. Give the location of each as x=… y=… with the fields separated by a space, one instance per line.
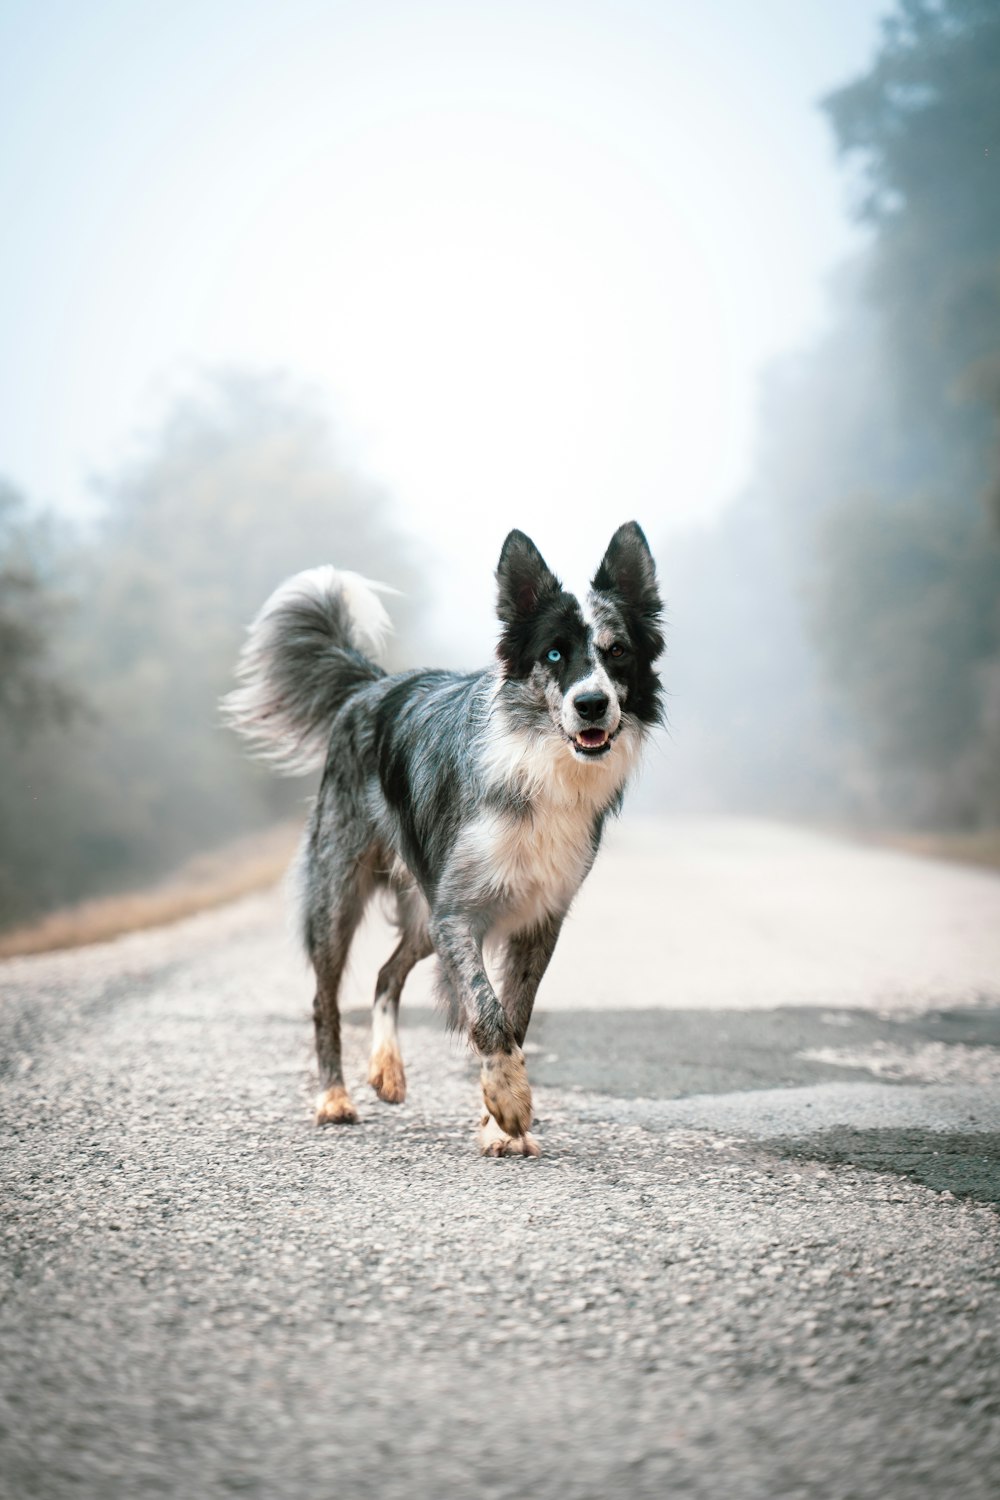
x=535 y=253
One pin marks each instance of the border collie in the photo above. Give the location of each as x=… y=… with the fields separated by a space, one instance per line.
x=478 y=799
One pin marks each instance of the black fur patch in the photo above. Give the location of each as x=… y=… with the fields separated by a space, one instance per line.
x=534 y=609
x=625 y=584
x=539 y=615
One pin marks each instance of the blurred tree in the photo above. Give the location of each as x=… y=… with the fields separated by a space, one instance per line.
x=242 y=486
x=925 y=125
x=907 y=593
x=31 y=694
x=905 y=605
x=862 y=556
x=39 y=703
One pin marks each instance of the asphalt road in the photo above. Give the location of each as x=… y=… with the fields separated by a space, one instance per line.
x=757 y=1258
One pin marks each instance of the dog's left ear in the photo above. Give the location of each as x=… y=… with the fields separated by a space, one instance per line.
x=628 y=570
x=524 y=579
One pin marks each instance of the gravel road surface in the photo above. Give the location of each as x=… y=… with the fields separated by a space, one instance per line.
x=758 y=1256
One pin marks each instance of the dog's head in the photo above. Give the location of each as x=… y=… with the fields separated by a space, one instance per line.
x=588 y=669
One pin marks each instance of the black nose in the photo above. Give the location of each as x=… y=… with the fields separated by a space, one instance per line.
x=591 y=705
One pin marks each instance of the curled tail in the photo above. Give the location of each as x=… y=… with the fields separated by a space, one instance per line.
x=307 y=650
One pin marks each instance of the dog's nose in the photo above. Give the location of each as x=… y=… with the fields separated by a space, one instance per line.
x=591 y=705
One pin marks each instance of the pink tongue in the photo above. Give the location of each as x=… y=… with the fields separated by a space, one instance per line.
x=592 y=736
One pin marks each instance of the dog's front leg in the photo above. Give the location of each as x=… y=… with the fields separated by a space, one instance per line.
x=525 y=961
x=506 y=1091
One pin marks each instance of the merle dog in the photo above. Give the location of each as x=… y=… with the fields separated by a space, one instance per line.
x=478 y=799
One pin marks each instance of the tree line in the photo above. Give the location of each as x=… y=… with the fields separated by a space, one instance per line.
x=837 y=635
x=117 y=638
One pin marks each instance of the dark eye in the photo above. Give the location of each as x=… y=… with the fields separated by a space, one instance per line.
x=555 y=654
x=617 y=649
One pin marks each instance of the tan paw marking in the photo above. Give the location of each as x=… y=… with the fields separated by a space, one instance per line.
x=334 y=1107
x=506 y=1091
x=386 y=1075
x=496 y=1142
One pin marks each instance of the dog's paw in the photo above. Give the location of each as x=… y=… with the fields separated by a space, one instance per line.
x=507 y=1092
x=386 y=1074
x=334 y=1107
x=496 y=1142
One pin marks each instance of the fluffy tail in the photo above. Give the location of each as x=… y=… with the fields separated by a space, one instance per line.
x=307 y=650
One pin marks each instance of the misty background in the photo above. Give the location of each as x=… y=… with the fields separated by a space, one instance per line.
x=371 y=284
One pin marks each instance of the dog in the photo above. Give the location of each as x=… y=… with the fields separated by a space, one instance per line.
x=478 y=799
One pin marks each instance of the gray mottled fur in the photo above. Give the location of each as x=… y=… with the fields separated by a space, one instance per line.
x=476 y=800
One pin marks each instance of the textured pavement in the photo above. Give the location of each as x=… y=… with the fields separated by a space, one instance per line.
x=758 y=1257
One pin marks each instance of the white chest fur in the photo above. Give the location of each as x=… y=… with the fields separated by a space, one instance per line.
x=532 y=865
x=529 y=864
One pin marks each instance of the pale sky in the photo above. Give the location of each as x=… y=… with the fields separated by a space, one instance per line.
x=536 y=252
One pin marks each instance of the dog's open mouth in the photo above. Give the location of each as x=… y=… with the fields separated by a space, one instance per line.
x=592 y=741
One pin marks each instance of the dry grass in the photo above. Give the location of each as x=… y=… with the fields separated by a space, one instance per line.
x=979 y=848
x=246 y=865
x=258 y=861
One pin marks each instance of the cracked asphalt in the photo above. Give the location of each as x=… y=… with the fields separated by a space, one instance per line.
x=757 y=1258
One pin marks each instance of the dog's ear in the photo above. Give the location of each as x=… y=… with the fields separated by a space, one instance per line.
x=628 y=570
x=628 y=573
x=524 y=579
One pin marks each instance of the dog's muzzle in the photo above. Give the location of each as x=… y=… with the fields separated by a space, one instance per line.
x=594 y=736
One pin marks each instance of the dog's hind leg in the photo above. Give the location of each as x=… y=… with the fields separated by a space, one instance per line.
x=385 y=1071
x=328 y=935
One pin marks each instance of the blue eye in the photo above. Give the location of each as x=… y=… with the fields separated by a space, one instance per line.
x=555 y=655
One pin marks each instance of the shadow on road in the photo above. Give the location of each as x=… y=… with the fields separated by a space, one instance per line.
x=668 y=1055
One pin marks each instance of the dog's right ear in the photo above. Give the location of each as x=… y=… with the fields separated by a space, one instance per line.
x=524 y=579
